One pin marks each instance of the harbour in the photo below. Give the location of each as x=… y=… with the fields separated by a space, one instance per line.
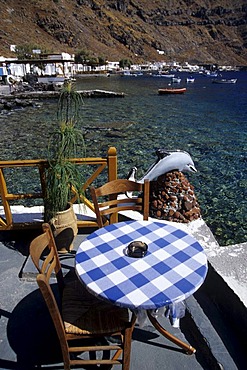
x=227 y=272
x=209 y=122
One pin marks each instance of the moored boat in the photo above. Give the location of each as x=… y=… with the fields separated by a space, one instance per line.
x=172 y=91
x=225 y=81
x=176 y=79
x=131 y=74
x=164 y=74
x=210 y=73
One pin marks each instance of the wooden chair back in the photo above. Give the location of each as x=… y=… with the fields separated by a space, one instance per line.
x=45 y=257
x=118 y=196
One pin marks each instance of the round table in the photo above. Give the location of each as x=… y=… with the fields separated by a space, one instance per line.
x=174 y=267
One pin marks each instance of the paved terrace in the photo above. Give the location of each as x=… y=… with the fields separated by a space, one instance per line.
x=215 y=322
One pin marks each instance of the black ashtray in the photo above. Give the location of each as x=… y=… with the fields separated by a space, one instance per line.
x=137 y=249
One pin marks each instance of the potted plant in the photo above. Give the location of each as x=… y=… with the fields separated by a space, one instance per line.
x=63 y=178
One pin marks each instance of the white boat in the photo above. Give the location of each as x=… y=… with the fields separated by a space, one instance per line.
x=210 y=74
x=162 y=75
x=176 y=79
x=190 y=79
x=165 y=74
x=131 y=74
x=225 y=81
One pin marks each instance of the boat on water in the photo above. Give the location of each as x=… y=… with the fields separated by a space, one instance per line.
x=163 y=74
x=131 y=74
x=176 y=80
x=171 y=90
x=225 y=81
x=190 y=79
x=210 y=73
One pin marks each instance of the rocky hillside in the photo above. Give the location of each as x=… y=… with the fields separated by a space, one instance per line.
x=206 y=31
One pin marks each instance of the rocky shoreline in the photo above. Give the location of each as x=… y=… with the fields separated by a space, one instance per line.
x=19 y=100
x=7 y=105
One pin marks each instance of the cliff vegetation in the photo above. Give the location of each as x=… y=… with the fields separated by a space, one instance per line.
x=197 y=31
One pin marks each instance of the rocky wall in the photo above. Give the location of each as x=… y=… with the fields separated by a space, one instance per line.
x=172 y=198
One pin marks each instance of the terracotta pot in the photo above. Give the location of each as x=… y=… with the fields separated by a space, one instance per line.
x=64 y=226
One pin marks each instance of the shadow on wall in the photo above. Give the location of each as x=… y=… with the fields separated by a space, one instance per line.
x=227 y=314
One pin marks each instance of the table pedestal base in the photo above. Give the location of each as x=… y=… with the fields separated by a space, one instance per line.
x=187 y=347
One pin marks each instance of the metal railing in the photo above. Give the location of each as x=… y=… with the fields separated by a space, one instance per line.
x=7 y=199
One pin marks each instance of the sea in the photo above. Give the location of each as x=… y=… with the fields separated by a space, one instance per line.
x=209 y=122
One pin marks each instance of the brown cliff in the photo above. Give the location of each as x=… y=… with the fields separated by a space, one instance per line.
x=209 y=31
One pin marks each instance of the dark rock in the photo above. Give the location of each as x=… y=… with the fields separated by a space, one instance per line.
x=7 y=105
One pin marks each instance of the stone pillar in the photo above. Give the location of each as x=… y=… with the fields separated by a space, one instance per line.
x=172 y=198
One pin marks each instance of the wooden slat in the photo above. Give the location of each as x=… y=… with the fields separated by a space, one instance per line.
x=6 y=222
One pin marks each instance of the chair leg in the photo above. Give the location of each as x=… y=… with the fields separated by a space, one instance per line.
x=127 y=349
x=66 y=358
x=66 y=365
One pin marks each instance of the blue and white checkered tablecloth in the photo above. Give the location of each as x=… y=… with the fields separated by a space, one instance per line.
x=173 y=269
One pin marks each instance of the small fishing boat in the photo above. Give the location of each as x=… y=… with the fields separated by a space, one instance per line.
x=130 y=74
x=225 y=81
x=171 y=90
x=163 y=75
x=190 y=79
x=176 y=80
x=210 y=74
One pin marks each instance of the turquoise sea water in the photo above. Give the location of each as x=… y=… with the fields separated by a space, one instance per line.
x=209 y=121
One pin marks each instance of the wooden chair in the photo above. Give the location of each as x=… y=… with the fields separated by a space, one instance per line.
x=83 y=316
x=113 y=203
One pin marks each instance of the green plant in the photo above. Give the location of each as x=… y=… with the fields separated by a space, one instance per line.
x=125 y=63
x=68 y=104
x=64 y=180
